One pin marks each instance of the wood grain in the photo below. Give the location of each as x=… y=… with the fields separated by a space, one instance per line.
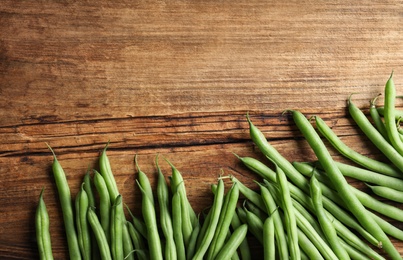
x=175 y=78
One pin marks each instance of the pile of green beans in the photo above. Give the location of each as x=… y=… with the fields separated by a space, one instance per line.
x=300 y=210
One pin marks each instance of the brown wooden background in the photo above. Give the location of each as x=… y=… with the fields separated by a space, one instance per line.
x=174 y=78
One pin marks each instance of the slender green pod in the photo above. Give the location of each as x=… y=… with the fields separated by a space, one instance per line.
x=104 y=203
x=224 y=222
x=165 y=215
x=269 y=248
x=103 y=245
x=67 y=208
x=308 y=247
x=374 y=136
x=144 y=182
x=376 y=117
x=107 y=174
x=138 y=224
x=387 y=193
x=138 y=243
x=128 y=248
x=150 y=219
x=255 y=225
x=42 y=230
x=344 y=190
x=244 y=247
x=290 y=221
x=116 y=228
x=177 y=226
x=230 y=247
x=191 y=248
x=327 y=227
x=389 y=115
x=83 y=230
x=212 y=224
x=351 y=154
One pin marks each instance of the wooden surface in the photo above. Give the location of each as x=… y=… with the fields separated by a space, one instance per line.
x=174 y=78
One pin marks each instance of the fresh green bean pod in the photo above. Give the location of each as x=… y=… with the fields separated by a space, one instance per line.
x=107 y=174
x=212 y=224
x=255 y=225
x=67 y=208
x=138 y=243
x=377 y=119
x=290 y=221
x=387 y=193
x=351 y=154
x=116 y=228
x=177 y=226
x=328 y=229
x=191 y=248
x=224 y=222
x=308 y=247
x=128 y=249
x=103 y=245
x=244 y=247
x=230 y=247
x=344 y=190
x=165 y=215
x=269 y=248
x=83 y=230
x=104 y=203
x=42 y=230
x=150 y=219
x=374 y=136
x=389 y=115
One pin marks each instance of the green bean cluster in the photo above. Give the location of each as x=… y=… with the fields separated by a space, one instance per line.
x=301 y=210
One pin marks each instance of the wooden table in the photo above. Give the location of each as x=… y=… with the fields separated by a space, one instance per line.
x=175 y=78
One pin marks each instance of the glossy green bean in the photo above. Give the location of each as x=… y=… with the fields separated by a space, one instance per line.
x=255 y=224
x=128 y=249
x=165 y=215
x=351 y=154
x=116 y=228
x=377 y=119
x=150 y=219
x=374 y=136
x=344 y=190
x=42 y=223
x=137 y=240
x=308 y=247
x=387 y=193
x=212 y=224
x=191 y=248
x=224 y=221
x=107 y=174
x=83 y=230
x=67 y=208
x=230 y=247
x=389 y=115
x=244 y=247
x=269 y=248
x=99 y=234
x=104 y=203
x=328 y=228
x=177 y=226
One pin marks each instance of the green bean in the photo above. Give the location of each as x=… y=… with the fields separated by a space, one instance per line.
x=352 y=252
x=230 y=247
x=269 y=151
x=269 y=248
x=325 y=223
x=387 y=227
x=177 y=226
x=376 y=117
x=387 y=193
x=351 y=154
x=374 y=136
x=83 y=230
x=255 y=224
x=224 y=221
x=99 y=234
x=107 y=174
x=290 y=221
x=191 y=248
x=280 y=236
x=389 y=115
x=128 y=249
x=256 y=210
x=212 y=224
x=138 y=224
x=150 y=219
x=116 y=228
x=42 y=230
x=67 y=208
x=251 y=195
x=165 y=215
x=244 y=247
x=344 y=190
x=104 y=203
x=308 y=247
x=144 y=182
x=137 y=240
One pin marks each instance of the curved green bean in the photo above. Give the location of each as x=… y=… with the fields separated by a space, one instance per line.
x=116 y=228
x=104 y=203
x=344 y=190
x=42 y=230
x=99 y=234
x=107 y=174
x=230 y=247
x=67 y=208
x=269 y=245
x=83 y=230
x=387 y=193
x=177 y=226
